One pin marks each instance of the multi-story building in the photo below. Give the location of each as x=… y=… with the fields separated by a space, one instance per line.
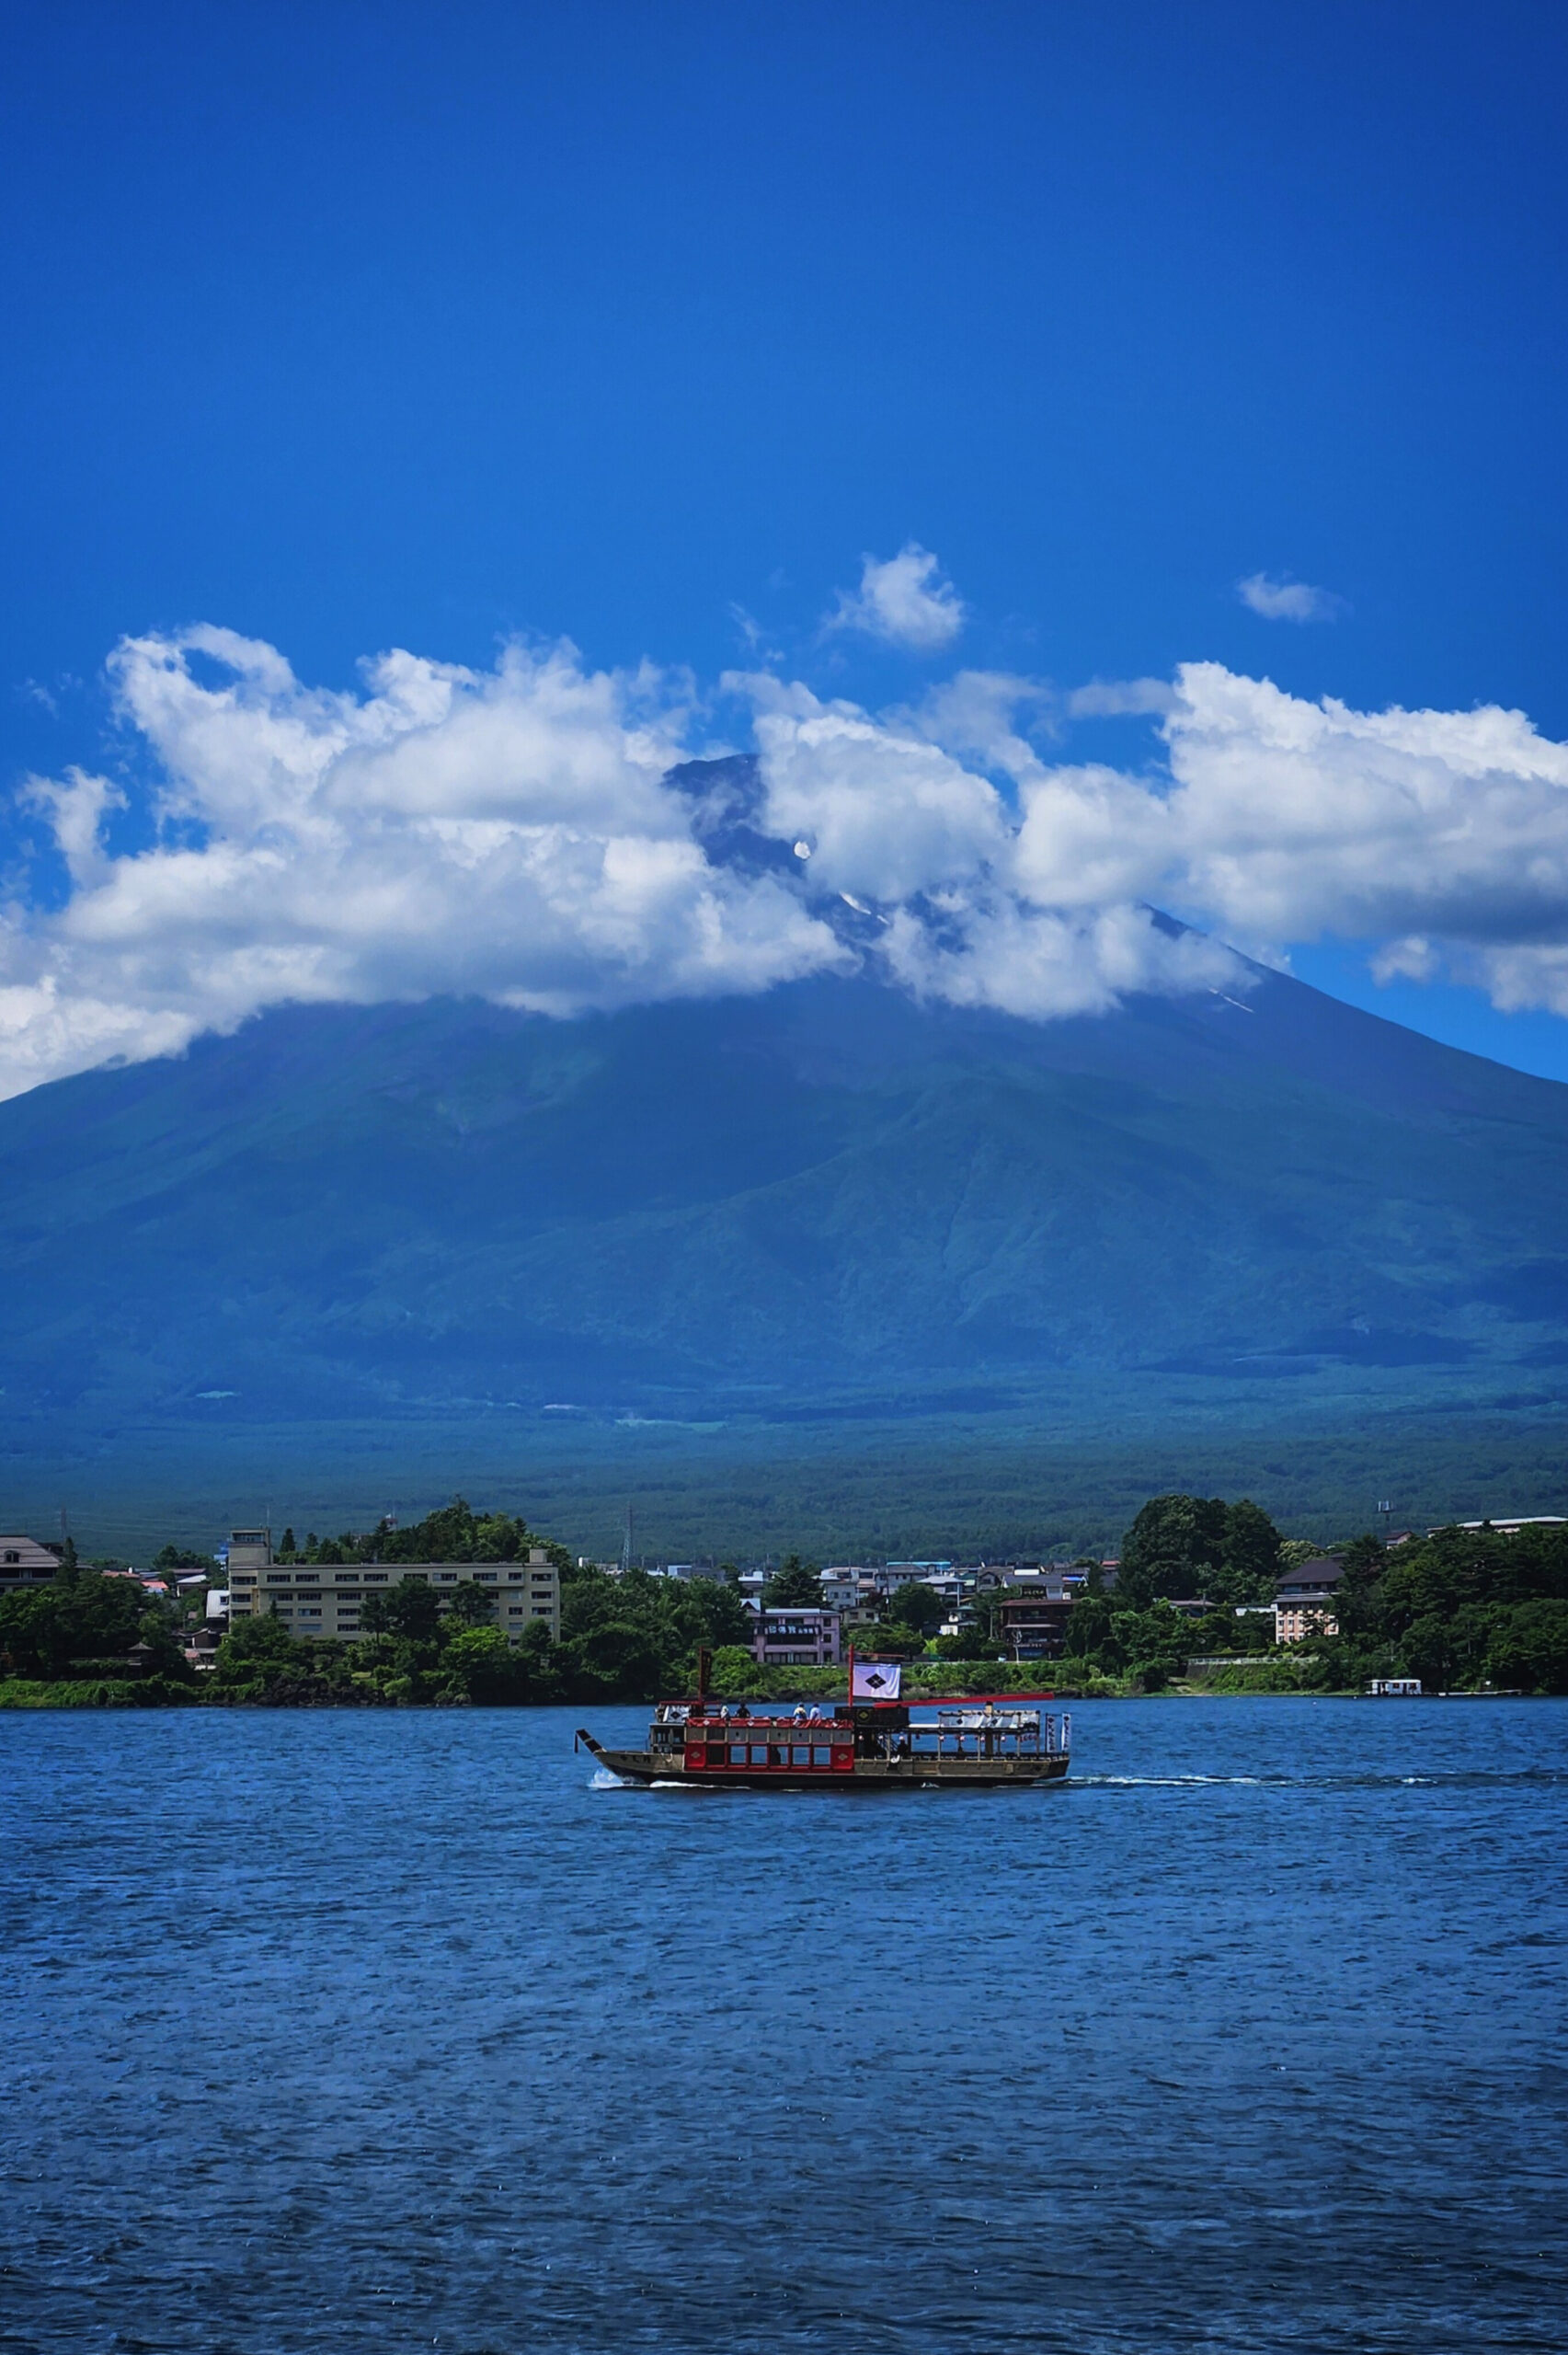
x=788 y=1637
x=1303 y=1602
x=1033 y=1622
x=325 y=1598
x=24 y=1562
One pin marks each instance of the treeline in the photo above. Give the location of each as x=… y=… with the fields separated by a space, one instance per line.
x=1463 y=1608
x=1460 y=1610
x=625 y=1638
x=456 y=1533
x=79 y=1631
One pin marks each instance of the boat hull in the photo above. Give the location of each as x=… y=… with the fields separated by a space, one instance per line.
x=647 y=1766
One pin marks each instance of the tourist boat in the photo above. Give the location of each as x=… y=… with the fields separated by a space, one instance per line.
x=876 y=1740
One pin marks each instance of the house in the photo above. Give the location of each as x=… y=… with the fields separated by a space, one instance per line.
x=1303 y=1601
x=788 y=1637
x=1033 y=1625
x=24 y=1562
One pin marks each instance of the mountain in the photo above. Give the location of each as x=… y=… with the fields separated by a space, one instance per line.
x=823 y=1204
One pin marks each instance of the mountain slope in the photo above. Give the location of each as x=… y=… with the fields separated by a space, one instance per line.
x=808 y=1203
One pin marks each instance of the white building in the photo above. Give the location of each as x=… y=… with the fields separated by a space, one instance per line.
x=788 y=1637
x=325 y=1598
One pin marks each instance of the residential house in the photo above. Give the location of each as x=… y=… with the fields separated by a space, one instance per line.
x=24 y=1562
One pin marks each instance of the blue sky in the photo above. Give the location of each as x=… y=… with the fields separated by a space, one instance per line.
x=351 y=327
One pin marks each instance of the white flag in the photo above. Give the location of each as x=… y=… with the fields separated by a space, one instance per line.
x=876 y=1679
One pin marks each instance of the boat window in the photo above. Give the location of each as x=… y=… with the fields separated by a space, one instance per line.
x=821 y=1755
x=737 y=1753
x=801 y=1754
x=759 y=1753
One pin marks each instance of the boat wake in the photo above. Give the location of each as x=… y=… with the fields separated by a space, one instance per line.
x=1459 y=1779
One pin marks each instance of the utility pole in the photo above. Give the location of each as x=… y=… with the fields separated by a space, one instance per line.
x=626 y=1544
x=1385 y=1508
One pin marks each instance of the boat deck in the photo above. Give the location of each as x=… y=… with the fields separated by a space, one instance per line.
x=881 y=1746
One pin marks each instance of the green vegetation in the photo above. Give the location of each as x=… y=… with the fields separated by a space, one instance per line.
x=456 y=1533
x=83 y=1626
x=1460 y=1610
x=797 y=1584
x=1199 y=1546
x=1463 y=1610
x=1166 y=1231
x=626 y=1638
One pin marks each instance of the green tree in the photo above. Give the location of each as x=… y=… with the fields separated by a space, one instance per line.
x=410 y=1609
x=797 y=1584
x=915 y=1604
x=479 y=1663
x=1359 y=1597
x=1248 y=1555
x=1088 y=1627
x=1187 y=1545
x=737 y=1674
x=470 y=1605
x=1530 y=1647
x=44 y=1631
x=182 y=1557
x=255 y=1646
x=1174 y=1546
x=617 y=1660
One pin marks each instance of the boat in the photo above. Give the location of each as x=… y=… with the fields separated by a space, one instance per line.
x=875 y=1740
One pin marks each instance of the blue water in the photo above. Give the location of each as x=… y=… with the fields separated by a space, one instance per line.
x=391 y=2031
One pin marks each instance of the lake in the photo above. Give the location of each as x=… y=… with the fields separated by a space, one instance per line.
x=396 y=2031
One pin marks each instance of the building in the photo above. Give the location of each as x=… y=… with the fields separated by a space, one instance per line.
x=1303 y=1602
x=791 y=1637
x=325 y=1598
x=24 y=1562
x=1511 y=1527
x=1034 y=1623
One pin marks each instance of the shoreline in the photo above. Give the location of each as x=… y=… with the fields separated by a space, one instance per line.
x=20 y=1695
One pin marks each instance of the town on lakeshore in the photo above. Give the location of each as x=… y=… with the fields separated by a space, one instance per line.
x=1205 y=1596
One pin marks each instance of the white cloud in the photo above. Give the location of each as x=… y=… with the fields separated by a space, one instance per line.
x=885 y=814
x=1293 y=819
x=1288 y=601
x=517 y=834
x=994 y=948
x=905 y=602
x=507 y=833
